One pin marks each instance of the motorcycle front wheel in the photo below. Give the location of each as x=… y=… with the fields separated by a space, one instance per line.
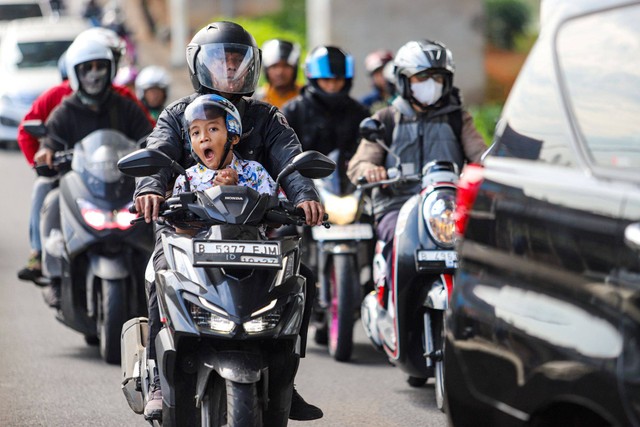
x=232 y=404
x=438 y=372
x=110 y=318
x=344 y=281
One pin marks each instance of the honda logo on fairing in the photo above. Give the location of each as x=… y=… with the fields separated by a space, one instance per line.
x=233 y=198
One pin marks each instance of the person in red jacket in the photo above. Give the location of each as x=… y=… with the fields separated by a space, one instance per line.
x=29 y=145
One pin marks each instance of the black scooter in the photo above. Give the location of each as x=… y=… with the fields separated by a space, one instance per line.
x=341 y=259
x=405 y=318
x=231 y=302
x=89 y=243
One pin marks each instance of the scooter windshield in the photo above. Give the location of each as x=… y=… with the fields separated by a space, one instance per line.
x=96 y=156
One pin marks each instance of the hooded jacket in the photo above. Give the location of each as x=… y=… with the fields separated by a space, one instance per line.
x=72 y=120
x=267 y=139
x=324 y=127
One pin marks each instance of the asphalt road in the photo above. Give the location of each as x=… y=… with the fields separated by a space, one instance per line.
x=50 y=377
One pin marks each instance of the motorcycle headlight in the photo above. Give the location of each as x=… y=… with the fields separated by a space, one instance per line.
x=341 y=210
x=266 y=321
x=206 y=318
x=101 y=219
x=438 y=211
x=288 y=265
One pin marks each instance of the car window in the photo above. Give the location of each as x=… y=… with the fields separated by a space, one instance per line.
x=17 y=11
x=41 y=54
x=599 y=58
x=533 y=124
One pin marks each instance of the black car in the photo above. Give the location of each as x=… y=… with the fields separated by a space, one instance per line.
x=544 y=321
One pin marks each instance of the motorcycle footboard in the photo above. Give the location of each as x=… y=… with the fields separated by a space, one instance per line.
x=134 y=337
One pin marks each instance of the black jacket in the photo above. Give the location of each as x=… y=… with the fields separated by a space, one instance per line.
x=324 y=127
x=266 y=138
x=71 y=120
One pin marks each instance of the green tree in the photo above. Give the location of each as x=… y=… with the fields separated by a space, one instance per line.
x=506 y=20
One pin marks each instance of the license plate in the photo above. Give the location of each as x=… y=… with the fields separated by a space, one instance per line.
x=449 y=258
x=236 y=254
x=343 y=232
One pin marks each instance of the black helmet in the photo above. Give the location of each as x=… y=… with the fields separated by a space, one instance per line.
x=224 y=58
x=423 y=56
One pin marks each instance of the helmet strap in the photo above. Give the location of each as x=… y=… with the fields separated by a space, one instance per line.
x=227 y=148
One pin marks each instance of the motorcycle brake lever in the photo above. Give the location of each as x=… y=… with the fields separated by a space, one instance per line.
x=136 y=220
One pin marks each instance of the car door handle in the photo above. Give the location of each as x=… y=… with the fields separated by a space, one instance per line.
x=632 y=236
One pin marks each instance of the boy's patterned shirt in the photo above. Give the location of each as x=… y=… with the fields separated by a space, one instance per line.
x=250 y=174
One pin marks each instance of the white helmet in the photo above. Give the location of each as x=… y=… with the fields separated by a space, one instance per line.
x=87 y=50
x=108 y=38
x=152 y=76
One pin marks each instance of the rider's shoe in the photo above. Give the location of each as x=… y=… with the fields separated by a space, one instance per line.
x=52 y=294
x=153 y=408
x=33 y=269
x=301 y=410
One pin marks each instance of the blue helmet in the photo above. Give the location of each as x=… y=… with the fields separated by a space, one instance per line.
x=206 y=106
x=326 y=62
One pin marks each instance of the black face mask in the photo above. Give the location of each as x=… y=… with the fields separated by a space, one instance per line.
x=331 y=100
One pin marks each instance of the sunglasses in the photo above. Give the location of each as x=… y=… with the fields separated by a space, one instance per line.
x=101 y=65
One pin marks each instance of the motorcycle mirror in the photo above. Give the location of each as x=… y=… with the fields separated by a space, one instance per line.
x=371 y=129
x=35 y=128
x=146 y=162
x=310 y=164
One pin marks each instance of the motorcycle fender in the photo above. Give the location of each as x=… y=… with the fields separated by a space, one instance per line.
x=104 y=268
x=238 y=366
x=437 y=297
x=109 y=268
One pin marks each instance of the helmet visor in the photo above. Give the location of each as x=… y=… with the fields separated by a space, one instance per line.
x=228 y=67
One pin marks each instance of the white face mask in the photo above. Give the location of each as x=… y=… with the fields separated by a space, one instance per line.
x=427 y=92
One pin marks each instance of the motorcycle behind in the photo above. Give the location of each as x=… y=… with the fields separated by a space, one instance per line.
x=231 y=301
x=405 y=318
x=341 y=259
x=89 y=243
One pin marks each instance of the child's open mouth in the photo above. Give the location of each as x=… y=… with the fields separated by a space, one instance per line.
x=209 y=154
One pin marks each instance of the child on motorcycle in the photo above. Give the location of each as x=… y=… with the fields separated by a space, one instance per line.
x=214 y=127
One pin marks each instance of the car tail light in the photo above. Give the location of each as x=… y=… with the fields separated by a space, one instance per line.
x=105 y=220
x=468 y=187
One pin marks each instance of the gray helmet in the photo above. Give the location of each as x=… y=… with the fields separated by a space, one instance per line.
x=152 y=76
x=423 y=55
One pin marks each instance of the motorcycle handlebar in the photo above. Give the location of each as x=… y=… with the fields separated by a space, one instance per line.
x=61 y=159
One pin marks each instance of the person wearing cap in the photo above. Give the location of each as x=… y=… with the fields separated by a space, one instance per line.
x=381 y=93
x=280 y=65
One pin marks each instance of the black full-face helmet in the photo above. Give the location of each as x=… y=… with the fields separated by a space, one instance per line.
x=224 y=58
x=423 y=56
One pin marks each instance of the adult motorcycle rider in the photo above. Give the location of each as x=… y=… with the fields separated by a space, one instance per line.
x=425 y=122
x=326 y=119
x=324 y=116
x=223 y=59
x=93 y=105
x=280 y=65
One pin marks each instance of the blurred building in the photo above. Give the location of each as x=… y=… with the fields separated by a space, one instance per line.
x=361 y=26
